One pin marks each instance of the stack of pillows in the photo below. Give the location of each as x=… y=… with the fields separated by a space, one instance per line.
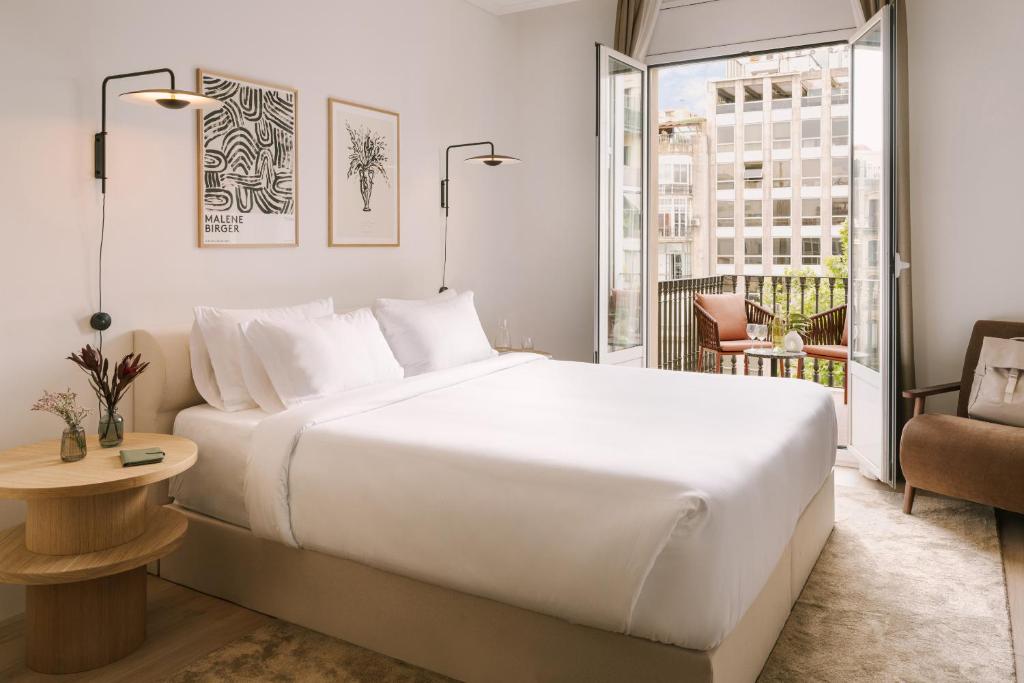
x=276 y=358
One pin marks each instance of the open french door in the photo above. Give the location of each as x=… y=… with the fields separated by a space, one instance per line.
x=621 y=311
x=874 y=262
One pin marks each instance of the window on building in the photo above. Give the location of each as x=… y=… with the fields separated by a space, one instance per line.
x=810 y=172
x=781 y=135
x=725 y=251
x=781 y=174
x=753 y=96
x=810 y=88
x=840 y=210
x=675 y=260
x=781 y=251
x=675 y=172
x=782 y=212
x=675 y=215
x=840 y=131
x=810 y=252
x=752 y=136
x=753 y=174
x=752 y=212
x=753 y=251
x=811 y=211
x=837 y=246
x=840 y=87
x=782 y=94
x=726 y=137
x=840 y=171
x=726 y=214
x=810 y=133
x=726 y=177
x=726 y=99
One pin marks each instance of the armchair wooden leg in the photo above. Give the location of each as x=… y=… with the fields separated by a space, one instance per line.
x=846 y=383
x=746 y=364
x=700 y=360
x=718 y=363
x=908 y=499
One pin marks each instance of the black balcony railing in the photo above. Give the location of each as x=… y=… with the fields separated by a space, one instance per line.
x=677 y=333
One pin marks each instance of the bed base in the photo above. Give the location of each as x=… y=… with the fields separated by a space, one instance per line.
x=472 y=638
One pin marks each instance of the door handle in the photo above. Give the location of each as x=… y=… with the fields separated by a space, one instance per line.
x=899 y=265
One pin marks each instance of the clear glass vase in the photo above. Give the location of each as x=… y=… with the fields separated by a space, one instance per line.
x=111 y=431
x=72 y=444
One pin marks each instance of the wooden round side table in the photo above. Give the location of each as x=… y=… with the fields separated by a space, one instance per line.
x=83 y=549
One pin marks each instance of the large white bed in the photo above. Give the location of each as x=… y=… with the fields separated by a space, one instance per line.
x=658 y=507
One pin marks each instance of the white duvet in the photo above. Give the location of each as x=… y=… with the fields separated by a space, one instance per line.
x=647 y=502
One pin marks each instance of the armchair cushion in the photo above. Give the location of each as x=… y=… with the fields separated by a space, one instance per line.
x=740 y=345
x=729 y=311
x=965 y=458
x=830 y=351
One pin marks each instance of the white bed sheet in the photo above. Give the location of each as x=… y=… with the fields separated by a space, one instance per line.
x=647 y=502
x=215 y=485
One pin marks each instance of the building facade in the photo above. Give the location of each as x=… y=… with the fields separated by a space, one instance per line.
x=683 y=199
x=779 y=150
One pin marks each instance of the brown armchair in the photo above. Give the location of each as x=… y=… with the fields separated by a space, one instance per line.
x=960 y=457
x=722 y=326
x=827 y=338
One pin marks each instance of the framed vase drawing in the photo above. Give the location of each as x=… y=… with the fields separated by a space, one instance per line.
x=363 y=204
x=247 y=159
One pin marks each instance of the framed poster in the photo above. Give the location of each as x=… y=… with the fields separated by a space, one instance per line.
x=363 y=203
x=247 y=164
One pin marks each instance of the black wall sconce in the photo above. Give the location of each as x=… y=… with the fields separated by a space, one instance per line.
x=491 y=159
x=168 y=98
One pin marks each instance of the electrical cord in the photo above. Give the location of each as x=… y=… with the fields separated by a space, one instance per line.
x=103 y=233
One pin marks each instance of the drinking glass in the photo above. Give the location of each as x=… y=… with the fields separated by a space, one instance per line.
x=527 y=343
x=751 y=331
x=762 y=332
x=504 y=335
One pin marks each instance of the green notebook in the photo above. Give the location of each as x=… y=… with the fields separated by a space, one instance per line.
x=141 y=456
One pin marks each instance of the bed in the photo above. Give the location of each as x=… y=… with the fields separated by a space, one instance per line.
x=515 y=518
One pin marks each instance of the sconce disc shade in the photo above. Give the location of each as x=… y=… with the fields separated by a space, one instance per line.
x=493 y=160
x=172 y=99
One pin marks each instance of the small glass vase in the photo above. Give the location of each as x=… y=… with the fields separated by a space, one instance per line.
x=72 y=444
x=111 y=431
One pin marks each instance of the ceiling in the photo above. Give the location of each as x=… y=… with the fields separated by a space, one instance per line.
x=510 y=6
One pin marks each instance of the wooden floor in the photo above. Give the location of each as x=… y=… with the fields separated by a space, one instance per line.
x=184 y=625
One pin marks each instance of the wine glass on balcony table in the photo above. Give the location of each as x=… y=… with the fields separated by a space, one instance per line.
x=752 y=331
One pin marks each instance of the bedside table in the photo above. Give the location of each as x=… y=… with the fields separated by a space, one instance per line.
x=83 y=549
x=502 y=350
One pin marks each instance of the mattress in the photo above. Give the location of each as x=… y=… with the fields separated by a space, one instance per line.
x=647 y=502
x=215 y=485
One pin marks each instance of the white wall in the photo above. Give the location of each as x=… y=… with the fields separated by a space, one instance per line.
x=966 y=150
x=443 y=64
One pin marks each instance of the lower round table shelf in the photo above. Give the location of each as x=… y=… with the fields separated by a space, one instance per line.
x=83 y=550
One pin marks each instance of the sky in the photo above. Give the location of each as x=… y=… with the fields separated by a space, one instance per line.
x=685 y=86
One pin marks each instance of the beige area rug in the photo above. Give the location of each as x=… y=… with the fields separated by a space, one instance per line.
x=901 y=598
x=892 y=598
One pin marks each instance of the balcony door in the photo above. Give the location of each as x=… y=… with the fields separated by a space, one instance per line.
x=873 y=259
x=621 y=322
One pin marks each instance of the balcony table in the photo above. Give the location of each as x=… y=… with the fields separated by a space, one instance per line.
x=83 y=549
x=776 y=358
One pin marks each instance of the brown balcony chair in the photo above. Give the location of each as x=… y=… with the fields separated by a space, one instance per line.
x=960 y=457
x=722 y=326
x=827 y=338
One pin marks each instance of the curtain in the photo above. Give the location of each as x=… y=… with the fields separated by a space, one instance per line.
x=634 y=26
x=905 y=313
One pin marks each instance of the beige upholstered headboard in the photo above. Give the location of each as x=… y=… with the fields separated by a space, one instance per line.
x=166 y=387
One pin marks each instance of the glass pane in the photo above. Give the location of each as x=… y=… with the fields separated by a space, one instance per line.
x=625 y=120
x=867 y=197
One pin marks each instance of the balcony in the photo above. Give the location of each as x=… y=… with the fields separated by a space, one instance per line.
x=675 y=189
x=677 y=333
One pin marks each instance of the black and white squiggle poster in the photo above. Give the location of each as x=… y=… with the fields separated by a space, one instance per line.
x=248 y=182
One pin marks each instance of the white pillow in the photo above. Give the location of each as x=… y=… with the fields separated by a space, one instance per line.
x=256 y=379
x=310 y=359
x=220 y=331
x=433 y=334
x=202 y=368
